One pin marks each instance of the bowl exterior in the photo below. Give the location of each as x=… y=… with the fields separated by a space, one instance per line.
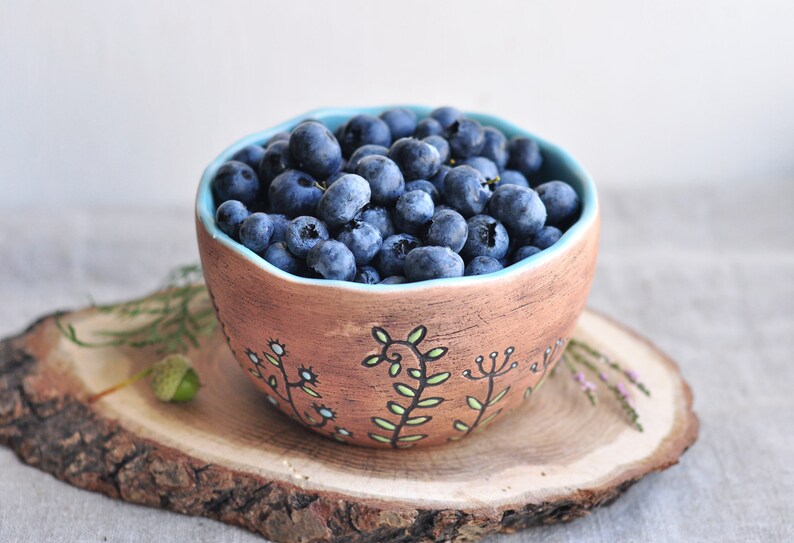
x=401 y=367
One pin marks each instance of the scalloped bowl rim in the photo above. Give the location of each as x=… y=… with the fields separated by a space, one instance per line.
x=205 y=208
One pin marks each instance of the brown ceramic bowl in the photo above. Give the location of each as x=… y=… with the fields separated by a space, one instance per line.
x=400 y=365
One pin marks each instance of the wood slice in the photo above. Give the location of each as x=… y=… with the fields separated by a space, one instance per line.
x=229 y=456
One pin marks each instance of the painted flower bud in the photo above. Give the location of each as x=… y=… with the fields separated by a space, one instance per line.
x=174 y=379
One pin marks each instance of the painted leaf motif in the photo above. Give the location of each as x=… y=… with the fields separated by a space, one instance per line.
x=415 y=373
x=417 y=335
x=430 y=402
x=272 y=382
x=527 y=392
x=396 y=408
x=415 y=437
x=460 y=426
x=380 y=335
x=310 y=392
x=272 y=359
x=438 y=378
x=311 y=419
x=499 y=396
x=489 y=418
x=434 y=354
x=404 y=390
x=394 y=369
x=474 y=403
x=416 y=421
x=371 y=361
x=383 y=423
x=379 y=439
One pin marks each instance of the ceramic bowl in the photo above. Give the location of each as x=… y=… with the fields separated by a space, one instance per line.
x=400 y=365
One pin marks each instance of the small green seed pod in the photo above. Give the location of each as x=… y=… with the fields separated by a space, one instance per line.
x=174 y=380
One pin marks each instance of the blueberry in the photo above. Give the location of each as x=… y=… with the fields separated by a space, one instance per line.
x=425 y=263
x=304 y=233
x=483 y=165
x=447 y=228
x=524 y=252
x=280 y=225
x=274 y=162
x=545 y=237
x=278 y=136
x=446 y=116
x=481 y=265
x=279 y=255
x=364 y=130
x=401 y=121
x=334 y=177
x=511 y=177
x=428 y=127
x=251 y=155
x=384 y=177
x=438 y=179
x=343 y=200
x=229 y=216
x=391 y=257
x=465 y=191
x=413 y=210
x=236 y=181
x=561 y=201
x=363 y=240
x=367 y=275
x=519 y=208
x=332 y=260
x=525 y=156
x=380 y=218
x=495 y=148
x=426 y=186
x=294 y=193
x=441 y=145
x=256 y=232
x=417 y=159
x=487 y=237
x=394 y=280
x=466 y=138
x=315 y=149
x=362 y=152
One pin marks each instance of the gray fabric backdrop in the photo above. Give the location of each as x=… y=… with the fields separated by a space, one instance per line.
x=706 y=272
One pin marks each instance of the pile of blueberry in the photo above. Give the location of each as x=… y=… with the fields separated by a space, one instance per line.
x=392 y=199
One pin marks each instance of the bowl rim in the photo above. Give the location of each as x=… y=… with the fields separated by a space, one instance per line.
x=205 y=208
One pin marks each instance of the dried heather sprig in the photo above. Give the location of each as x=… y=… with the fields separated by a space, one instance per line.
x=631 y=375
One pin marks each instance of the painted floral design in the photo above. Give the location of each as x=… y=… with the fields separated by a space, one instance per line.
x=410 y=409
x=550 y=356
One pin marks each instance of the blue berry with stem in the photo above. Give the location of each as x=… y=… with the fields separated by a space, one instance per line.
x=562 y=203
x=413 y=210
x=367 y=275
x=426 y=186
x=315 y=149
x=519 y=208
x=342 y=201
x=524 y=252
x=385 y=179
x=236 y=181
x=465 y=190
x=482 y=265
x=362 y=152
x=364 y=130
x=363 y=240
x=466 y=138
x=279 y=255
x=446 y=116
x=331 y=259
x=256 y=232
x=546 y=237
x=417 y=159
x=486 y=237
x=251 y=155
x=483 y=165
x=294 y=193
x=304 y=233
x=428 y=127
x=447 y=228
x=511 y=177
x=380 y=218
x=525 y=156
x=425 y=263
x=391 y=257
x=401 y=121
x=230 y=216
x=495 y=148
x=441 y=145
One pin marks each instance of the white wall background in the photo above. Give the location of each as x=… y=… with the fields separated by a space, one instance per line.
x=126 y=101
